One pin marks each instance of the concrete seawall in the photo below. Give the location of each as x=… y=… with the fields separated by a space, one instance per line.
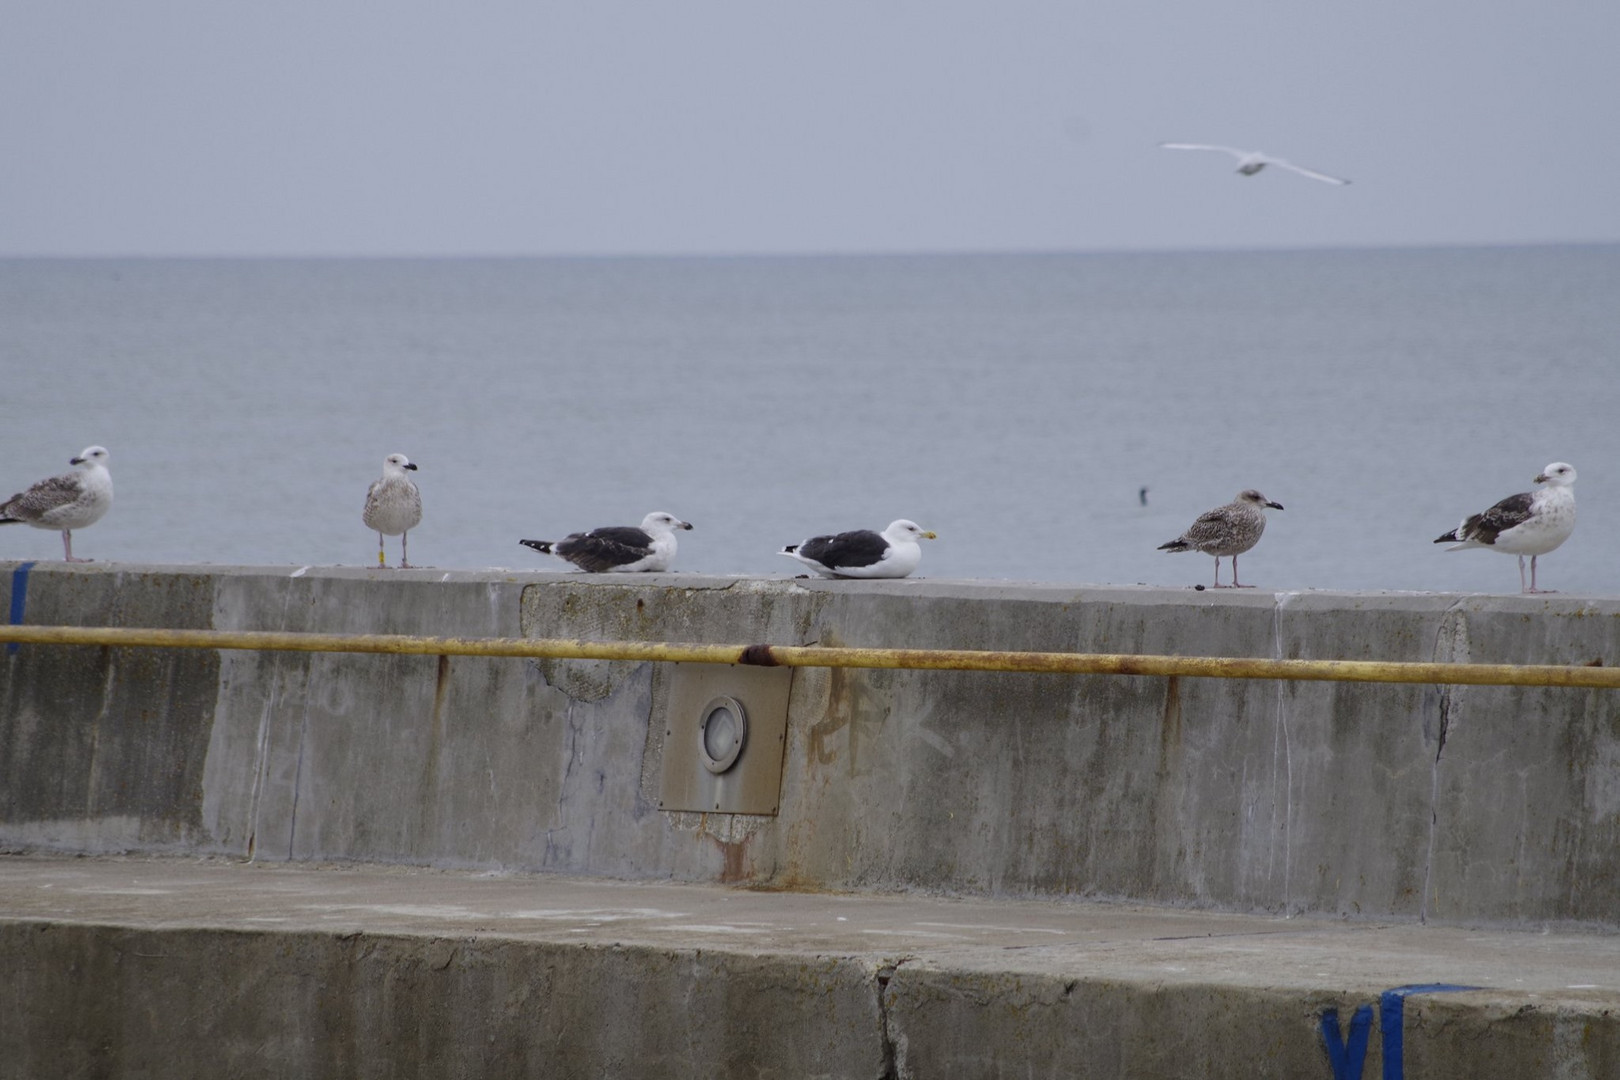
x=549 y=869
x=1478 y=804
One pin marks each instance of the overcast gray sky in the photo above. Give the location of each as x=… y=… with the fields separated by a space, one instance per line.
x=740 y=126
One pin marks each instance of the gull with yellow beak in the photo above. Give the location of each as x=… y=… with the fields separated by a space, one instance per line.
x=862 y=553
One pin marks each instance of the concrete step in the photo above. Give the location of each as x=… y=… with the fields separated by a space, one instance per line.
x=152 y=966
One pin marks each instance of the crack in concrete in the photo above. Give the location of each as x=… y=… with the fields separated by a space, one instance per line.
x=1288 y=754
x=574 y=727
x=1450 y=646
x=298 y=781
x=893 y=1044
x=266 y=718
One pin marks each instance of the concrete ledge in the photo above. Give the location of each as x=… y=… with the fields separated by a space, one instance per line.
x=1454 y=804
x=181 y=968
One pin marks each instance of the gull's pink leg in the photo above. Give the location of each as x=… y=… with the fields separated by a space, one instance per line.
x=1235 y=584
x=404 y=556
x=67 y=547
x=1533 y=577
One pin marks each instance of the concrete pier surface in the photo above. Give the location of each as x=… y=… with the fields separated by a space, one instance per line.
x=261 y=863
x=185 y=967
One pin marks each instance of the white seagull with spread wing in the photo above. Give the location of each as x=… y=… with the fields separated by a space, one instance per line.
x=1252 y=161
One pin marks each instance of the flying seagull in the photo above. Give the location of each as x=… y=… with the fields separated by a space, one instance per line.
x=1252 y=161
x=393 y=506
x=1227 y=530
x=73 y=500
x=1531 y=523
x=621 y=548
x=862 y=553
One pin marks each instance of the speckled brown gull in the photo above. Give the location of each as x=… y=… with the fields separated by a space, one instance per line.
x=393 y=507
x=1228 y=530
x=73 y=500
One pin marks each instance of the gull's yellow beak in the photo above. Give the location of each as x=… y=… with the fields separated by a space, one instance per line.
x=930 y=536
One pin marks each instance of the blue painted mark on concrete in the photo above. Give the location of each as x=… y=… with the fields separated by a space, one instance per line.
x=1392 y=1018
x=1348 y=1059
x=19 y=598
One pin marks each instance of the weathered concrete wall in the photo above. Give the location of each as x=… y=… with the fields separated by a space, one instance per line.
x=149 y=966
x=203 y=1003
x=1489 y=804
x=223 y=1003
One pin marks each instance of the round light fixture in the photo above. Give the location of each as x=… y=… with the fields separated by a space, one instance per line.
x=724 y=731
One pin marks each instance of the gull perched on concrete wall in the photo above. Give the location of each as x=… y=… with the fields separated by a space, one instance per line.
x=862 y=553
x=618 y=548
x=393 y=506
x=73 y=500
x=1252 y=161
x=1530 y=523
x=1228 y=530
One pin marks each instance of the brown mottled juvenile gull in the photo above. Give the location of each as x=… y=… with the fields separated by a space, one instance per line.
x=862 y=553
x=393 y=507
x=73 y=500
x=618 y=548
x=1530 y=523
x=1227 y=530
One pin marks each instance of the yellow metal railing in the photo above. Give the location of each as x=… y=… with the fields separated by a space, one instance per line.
x=1207 y=667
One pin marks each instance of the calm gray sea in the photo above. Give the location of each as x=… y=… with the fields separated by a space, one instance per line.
x=1015 y=404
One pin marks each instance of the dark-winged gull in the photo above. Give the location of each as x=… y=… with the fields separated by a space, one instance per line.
x=1530 y=523
x=862 y=553
x=393 y=507
x=618 y=548
x=1227 y=530
x=73 y=500
x=1252 y=161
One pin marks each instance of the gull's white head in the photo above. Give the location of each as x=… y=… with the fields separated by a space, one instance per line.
x=658 y=521
x=90 y=457
x=397 y=464
x=1558 y=474
x=902 y=530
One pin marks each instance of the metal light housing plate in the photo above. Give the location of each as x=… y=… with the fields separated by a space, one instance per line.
x=724 y=730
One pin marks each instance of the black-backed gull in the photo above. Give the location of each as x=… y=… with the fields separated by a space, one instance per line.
x=862 y=553
x=73 y=500
x=1530 y=523
x=618 y=548
x=1227 y=530
x=393 y=506
x=1252 y=161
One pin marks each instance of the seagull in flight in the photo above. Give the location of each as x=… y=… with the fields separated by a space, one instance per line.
x=1252 y=161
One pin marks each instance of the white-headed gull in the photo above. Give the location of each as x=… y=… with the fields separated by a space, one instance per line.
x=1252 y=161
x=1531 y=523
x=393 y=506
